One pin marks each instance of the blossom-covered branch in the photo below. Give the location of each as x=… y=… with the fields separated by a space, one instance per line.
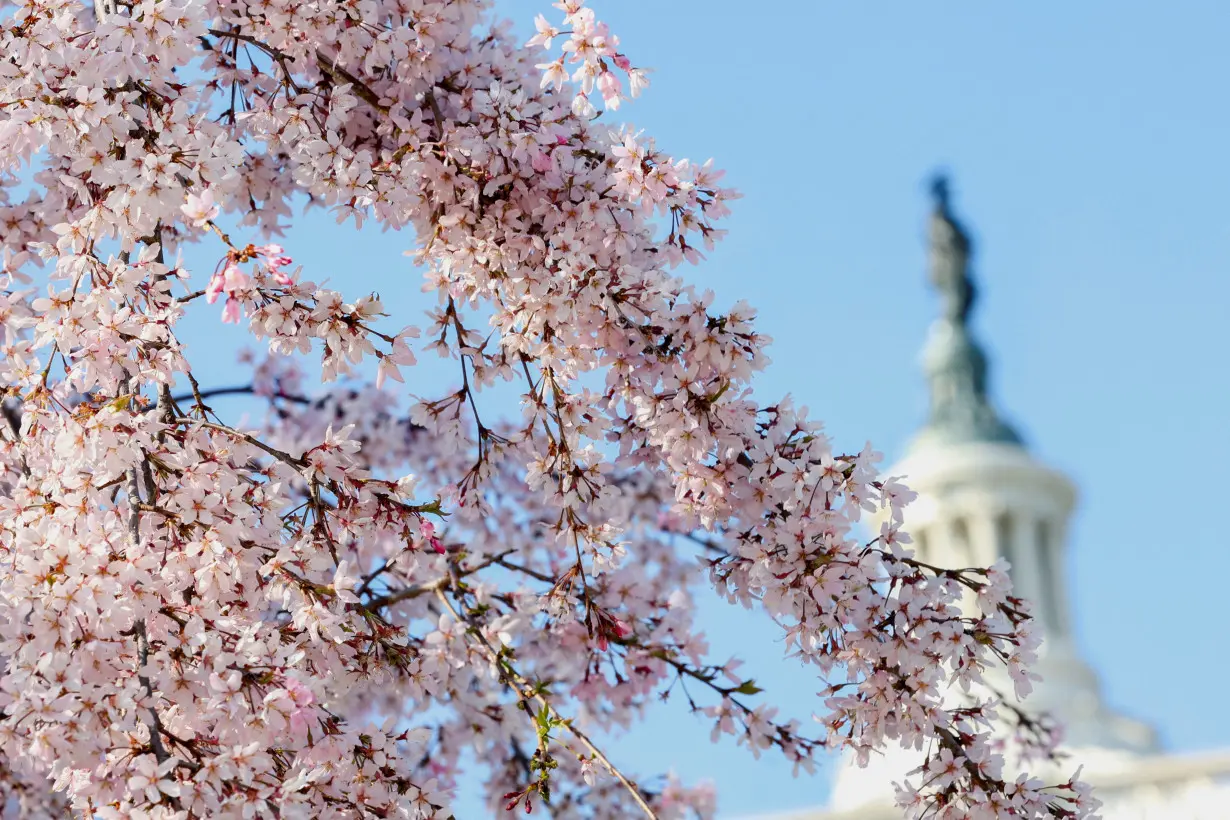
x=322 y=615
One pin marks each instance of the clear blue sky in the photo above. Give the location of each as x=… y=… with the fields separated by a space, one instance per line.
x=1088 y=143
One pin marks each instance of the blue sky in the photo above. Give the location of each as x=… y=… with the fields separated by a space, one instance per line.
x=1087 y=143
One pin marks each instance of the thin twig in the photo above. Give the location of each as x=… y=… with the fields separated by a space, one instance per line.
x=245 y=390
x=519 y=684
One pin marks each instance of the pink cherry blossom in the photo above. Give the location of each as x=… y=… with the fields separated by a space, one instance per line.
x=201 y=209
x=301 y=714
x=359 y=604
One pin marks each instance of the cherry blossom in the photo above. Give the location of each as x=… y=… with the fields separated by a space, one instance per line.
x=327 y=611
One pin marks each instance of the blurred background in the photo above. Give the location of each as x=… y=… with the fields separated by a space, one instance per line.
x=1087 y=146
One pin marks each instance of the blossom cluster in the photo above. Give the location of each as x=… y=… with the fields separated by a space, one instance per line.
x=327 y=614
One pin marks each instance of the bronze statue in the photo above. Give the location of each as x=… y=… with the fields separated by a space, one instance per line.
x=950 y=251
x=954 y=361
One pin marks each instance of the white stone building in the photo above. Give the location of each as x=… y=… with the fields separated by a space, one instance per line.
x=983 y=496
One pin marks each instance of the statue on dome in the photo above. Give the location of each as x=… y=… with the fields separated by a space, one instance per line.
x=955 y=363
x=950 y=252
